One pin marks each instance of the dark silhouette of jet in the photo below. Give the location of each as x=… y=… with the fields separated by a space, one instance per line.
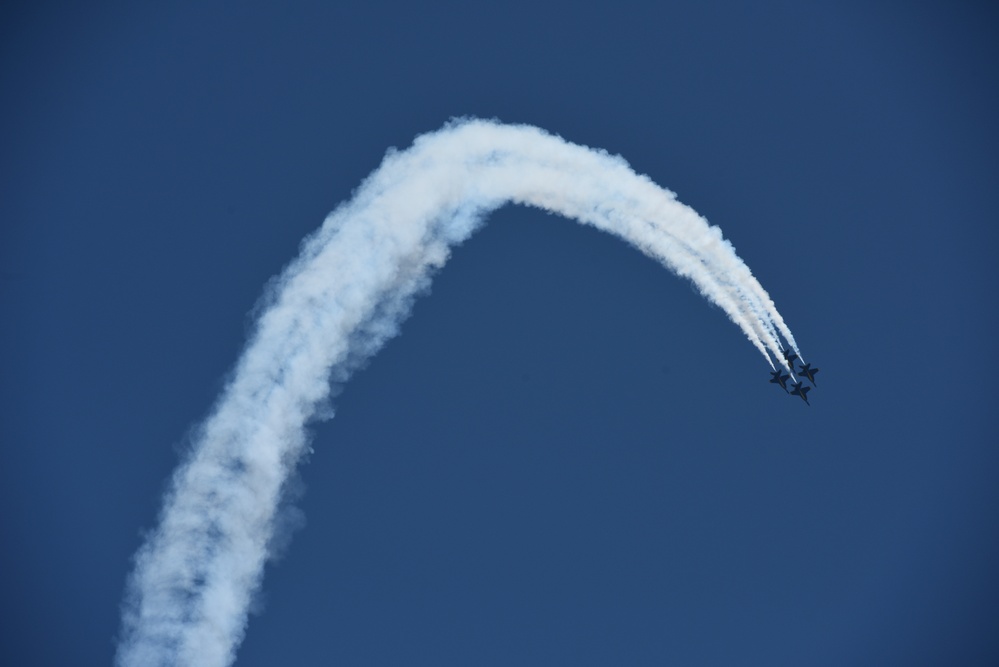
x=801 y=391
x=778 y=378
x=789 y=357
x=809 y=373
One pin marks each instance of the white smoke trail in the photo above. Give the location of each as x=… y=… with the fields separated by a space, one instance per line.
x=336 y=305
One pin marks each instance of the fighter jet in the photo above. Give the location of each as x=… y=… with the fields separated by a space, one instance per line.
x=809 y=372
x=789 y=357
x=798 y=390
x=778 y=378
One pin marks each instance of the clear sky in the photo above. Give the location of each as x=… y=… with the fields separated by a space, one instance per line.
x=568 y=457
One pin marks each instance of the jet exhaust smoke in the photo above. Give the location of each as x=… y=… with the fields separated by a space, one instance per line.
x=336 y=305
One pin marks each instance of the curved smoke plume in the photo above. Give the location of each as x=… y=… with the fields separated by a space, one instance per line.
x=334 y=306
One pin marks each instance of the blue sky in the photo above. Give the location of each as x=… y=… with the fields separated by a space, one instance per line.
x=568 y=456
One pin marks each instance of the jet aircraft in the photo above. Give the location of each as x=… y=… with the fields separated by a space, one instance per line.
x=789 y=357
x=780 y=379
x=809 y=373
x=801 y=391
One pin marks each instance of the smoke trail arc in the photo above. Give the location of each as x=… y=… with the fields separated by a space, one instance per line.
x=336 y=305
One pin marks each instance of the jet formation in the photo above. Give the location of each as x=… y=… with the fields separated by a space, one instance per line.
x=798 y=387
